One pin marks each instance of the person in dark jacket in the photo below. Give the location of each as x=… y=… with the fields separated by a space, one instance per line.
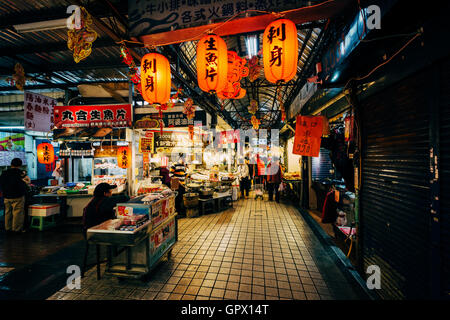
x=274 y=176
x=100 y=208
x=14 y=190
x=165 y=174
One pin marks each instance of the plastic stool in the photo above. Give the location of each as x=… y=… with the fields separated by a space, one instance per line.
x=42 y=223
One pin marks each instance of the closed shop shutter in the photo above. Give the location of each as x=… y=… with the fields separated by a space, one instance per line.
x=444 y=120
x=395 y=193
x=322 y=165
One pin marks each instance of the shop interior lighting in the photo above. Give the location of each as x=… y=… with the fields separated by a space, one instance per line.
x=41 y=26
x=251 y=42
x=12 y=128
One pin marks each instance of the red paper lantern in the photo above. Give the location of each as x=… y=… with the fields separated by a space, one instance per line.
x=212 y=63
x=124 y=157
x=155 y=78
x=280 y=51
x=45 y=153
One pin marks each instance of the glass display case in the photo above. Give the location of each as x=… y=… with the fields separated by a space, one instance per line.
x=107 y=170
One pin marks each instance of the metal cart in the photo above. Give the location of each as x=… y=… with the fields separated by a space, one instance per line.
x=134 y=254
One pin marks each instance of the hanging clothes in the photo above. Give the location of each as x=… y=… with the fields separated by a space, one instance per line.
x=339 y=156
x=329 y=213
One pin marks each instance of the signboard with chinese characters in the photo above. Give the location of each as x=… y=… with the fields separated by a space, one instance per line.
x=38 y=112
x=116 y=116
x=154 y=16
x=308 y=134
x=165 y=140
x=146 y=144
x=170 y=119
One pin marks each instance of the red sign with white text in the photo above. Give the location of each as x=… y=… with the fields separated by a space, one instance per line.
x=308 y=134
x=229 y=136
x=115 y=115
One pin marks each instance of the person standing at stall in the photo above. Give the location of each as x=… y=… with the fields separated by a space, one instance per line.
x=178 y=171
x=14 y=189
x=165 y=174
x=244 y=179
x=274 y=176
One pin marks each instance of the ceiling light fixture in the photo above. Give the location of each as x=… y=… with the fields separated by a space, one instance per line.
x=251 y=42
x=41 y=26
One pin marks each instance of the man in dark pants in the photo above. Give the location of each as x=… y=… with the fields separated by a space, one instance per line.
x=178 y=170
x=14 y=190
x=274 y=176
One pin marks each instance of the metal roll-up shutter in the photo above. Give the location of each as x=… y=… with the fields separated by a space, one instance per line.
x=322 y=165
x=444 y=135
x=395 y=191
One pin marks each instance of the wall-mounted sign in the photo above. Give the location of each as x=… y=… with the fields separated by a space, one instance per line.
x=38 y=112
x=308 y=133
x=154 y=16
x=146 y=144
x=164 y=140
x=170 y=119
x=116 y=116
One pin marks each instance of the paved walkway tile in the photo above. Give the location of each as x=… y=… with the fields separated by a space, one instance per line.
x=257 y=250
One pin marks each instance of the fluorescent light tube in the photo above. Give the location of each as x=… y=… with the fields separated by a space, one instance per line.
x=41 y=25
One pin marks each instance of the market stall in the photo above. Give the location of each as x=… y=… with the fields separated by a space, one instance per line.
x=90 y=139
x=144 y=231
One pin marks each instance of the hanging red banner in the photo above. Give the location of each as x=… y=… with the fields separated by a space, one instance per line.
x=117 y=115
x=308 y=134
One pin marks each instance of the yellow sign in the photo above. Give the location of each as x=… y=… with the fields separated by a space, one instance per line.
x=146 y=144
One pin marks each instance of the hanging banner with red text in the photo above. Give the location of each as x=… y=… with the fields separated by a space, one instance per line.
x=38 y=112
x=308 y=134
x=115 y=116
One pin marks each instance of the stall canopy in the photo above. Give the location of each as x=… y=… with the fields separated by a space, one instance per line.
x=28 y=38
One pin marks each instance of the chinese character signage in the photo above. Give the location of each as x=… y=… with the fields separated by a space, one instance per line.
x=118 y=116
x=170 y=119
x=154 y=16
x=165 y=140
x=155 y=78
x=146 y=144
x=212 y=63
x=308 y=134
x=45 y=153
x=123 y=157
x=280 y=51
x=38 y=112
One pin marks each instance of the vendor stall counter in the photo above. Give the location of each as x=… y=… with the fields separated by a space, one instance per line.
x=144 y=232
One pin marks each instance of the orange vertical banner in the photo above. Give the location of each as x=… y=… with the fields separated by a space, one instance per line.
x=308 y=134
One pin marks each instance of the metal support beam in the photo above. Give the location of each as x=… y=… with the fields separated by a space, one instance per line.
x=50 y=47
x=321 y=11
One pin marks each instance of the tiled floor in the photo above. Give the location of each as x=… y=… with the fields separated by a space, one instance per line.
x=26 y=248
x=258 y=250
